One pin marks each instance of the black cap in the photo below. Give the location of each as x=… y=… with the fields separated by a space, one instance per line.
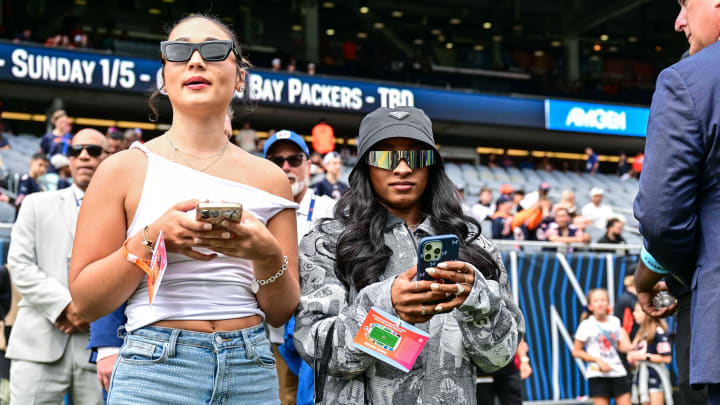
x=399 y=122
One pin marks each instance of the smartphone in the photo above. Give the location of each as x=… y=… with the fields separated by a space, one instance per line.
x=436 y=249
x=215 y=213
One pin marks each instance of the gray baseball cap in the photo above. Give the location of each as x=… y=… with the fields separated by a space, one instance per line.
x=399 y=122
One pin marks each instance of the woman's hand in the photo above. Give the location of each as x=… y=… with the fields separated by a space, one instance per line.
x=460 y=273
x=247 y=239
x=410 y=297
x=180 y=231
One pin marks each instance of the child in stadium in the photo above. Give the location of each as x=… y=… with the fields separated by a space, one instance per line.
x=367 y=257
x=653 y=352
x=598 y=340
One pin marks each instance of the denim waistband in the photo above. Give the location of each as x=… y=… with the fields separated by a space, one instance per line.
x=217 y=340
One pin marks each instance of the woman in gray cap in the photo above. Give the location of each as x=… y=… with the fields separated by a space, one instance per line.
x=367 y=257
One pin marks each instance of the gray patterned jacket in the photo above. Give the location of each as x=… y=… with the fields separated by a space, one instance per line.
x=484 y=331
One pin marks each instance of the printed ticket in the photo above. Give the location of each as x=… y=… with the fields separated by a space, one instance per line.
x=390 y=339
x=158 y=264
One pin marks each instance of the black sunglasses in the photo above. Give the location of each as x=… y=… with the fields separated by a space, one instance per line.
x=210 y=51
x=293 y=160
x=92 y=150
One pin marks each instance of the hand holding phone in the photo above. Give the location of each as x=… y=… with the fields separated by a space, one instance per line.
x=433 y=250
x=215 y=213
x=436 y=249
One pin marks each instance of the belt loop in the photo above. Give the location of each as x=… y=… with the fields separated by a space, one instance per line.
x=121 y=332
x=249 y=348
x=173 y=342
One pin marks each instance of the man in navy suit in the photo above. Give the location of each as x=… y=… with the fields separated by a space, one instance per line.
x=679 y=198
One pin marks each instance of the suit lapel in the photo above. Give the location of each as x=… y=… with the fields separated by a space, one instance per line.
x=69 y=210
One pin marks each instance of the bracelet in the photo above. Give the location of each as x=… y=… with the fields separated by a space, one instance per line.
x=142 y=263
x=651 y=263
x=255 y=286
x=146 y=238
x=525 y=359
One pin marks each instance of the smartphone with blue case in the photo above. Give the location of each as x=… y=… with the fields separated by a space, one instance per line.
x=436 y=249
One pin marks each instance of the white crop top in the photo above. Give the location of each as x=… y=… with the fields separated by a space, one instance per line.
x=192 y=289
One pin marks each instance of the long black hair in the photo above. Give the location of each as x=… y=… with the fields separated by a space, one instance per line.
x=361 y=254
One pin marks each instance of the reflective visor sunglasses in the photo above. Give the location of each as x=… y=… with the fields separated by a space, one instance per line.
x=210 y=51
x=293 y=160
x=389 y=159
x=92 y=150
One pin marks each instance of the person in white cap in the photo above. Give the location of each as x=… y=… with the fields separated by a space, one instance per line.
x=596 y=211
x=62 y=166
x=331 y=185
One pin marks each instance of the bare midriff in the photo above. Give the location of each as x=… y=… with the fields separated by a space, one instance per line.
x=222 y=325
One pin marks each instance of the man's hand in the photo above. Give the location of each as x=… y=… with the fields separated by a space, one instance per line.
x=64 y=325
x=69 y=321
x=104 y=370
x=645 y=299
x=648 y=285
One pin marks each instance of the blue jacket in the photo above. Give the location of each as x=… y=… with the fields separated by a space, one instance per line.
x=103 y=332
x=678 y=205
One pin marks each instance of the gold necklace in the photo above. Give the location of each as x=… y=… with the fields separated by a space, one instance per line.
x=219 y=154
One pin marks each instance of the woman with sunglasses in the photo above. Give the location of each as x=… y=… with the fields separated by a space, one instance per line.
x=367 y=257
x=202 y=339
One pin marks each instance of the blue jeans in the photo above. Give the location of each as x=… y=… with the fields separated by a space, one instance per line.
x=173 y=366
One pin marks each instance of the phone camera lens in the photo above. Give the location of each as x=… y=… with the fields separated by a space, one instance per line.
x=428 y=247
x=437 y=251
x=428 y=257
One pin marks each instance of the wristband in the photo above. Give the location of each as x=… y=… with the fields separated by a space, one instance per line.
x=525 y=359
x=651 y=263
x=142 y=263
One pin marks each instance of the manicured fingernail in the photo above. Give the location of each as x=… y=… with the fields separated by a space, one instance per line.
x=442 y=265
x=207 y=227
x=447 y=294
x=435 y=286
x=225 y=235
x=430 y=271
x=197 y=240
x=438 y=308
x=225 y=223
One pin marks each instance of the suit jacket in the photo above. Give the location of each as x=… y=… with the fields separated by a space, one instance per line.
x=679 y=198
x=39 y=260
x=103 y=332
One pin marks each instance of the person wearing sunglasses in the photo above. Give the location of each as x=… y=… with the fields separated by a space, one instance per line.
x=289 y=151
x=366 y=257
x=49 y=339
x=202 y=339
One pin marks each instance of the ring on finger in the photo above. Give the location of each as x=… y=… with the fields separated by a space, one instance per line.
x=460 y=289
x=466 y=279
x=417 y=288
x=424 y=310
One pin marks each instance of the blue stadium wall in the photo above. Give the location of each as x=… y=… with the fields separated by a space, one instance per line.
x=545 y=283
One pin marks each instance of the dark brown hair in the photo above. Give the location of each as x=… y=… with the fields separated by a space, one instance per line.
x=242 y=63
